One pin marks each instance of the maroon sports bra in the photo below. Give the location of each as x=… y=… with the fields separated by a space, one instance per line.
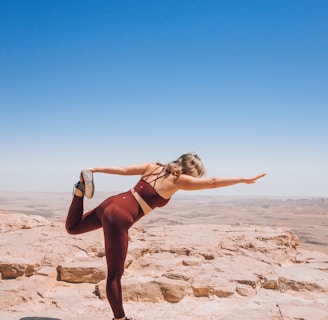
x=147 y=191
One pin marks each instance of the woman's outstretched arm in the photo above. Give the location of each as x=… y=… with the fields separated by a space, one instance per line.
x=135 y=169
x=185 y=182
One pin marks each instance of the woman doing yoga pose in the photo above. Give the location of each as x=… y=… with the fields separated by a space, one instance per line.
x=118 y=213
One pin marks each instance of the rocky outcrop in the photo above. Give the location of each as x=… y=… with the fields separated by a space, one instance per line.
x=13 y=268
x=148 y=289
x=82 y=270
x=43 y=268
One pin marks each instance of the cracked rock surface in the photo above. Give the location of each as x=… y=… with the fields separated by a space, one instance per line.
x=180 y=271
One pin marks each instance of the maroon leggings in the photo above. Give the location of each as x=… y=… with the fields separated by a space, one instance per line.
x=115 y=215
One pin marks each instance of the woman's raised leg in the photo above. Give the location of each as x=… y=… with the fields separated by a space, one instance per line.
x=77 y=221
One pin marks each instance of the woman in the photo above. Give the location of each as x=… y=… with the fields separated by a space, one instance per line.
x=117 y=214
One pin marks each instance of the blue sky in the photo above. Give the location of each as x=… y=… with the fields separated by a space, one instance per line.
x=94 y=83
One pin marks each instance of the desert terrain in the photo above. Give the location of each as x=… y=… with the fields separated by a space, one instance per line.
x=211 y=256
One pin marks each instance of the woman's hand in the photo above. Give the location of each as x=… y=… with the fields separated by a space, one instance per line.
x=253 y=179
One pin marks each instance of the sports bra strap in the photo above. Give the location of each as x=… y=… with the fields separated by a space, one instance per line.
x=158 y=176
x=150 y=174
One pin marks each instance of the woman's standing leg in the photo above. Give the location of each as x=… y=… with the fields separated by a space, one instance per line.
x=117 y=215
x=116 y=246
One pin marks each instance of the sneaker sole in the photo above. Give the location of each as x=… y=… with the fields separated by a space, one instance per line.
x=87 y=176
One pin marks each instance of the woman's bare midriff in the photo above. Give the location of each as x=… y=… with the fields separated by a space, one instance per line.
x=143 y=204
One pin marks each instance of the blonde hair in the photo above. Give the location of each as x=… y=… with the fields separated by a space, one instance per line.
x=188 y=163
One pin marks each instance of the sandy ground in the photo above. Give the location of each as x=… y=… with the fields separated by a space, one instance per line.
x=307 y=217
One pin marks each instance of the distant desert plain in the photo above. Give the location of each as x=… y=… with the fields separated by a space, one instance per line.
x=306 y=217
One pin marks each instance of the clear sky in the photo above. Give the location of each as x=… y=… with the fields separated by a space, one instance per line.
x=92 y=83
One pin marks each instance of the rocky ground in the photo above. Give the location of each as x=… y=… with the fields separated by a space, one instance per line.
x=200 y=257
x=173 y=271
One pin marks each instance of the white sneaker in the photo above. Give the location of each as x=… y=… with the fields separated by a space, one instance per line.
x=87 y=176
